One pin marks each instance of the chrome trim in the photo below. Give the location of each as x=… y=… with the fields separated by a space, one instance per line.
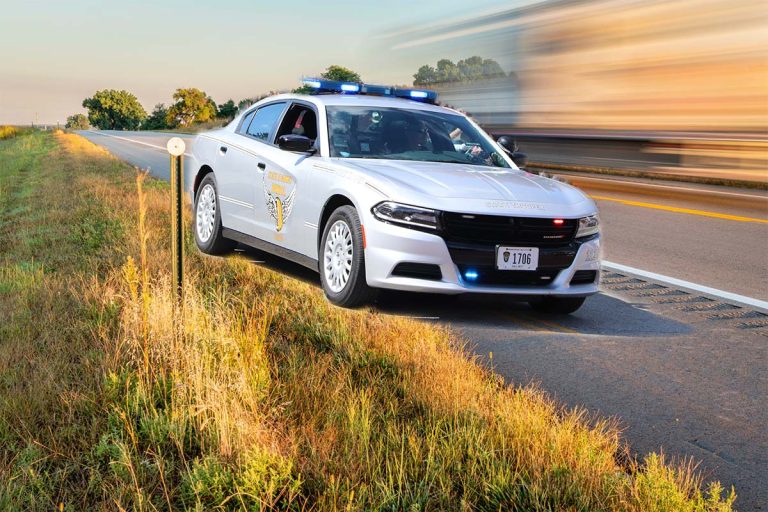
x=235 y=201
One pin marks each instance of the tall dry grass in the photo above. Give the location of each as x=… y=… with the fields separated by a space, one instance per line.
x=275 y=399
x=7 y=132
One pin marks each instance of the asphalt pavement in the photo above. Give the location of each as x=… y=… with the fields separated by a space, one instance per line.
x=684 y=369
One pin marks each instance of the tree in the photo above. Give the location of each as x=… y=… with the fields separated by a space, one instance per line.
x=245 y=103
x=492 y=69
x=472 y=68
x=333 y=72
x=77 y=122
x=228 y=110
x=110 y=109
x=426 y=75
x=158 y=119
x=340 y=74
x=447 y=71
x=192 y=106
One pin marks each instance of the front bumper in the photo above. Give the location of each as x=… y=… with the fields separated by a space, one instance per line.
x=389 y=245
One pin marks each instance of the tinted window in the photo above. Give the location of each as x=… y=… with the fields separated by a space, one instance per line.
x=246 y=121
x=263 y=124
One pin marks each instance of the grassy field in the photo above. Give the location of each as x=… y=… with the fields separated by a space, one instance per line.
x=270 y=398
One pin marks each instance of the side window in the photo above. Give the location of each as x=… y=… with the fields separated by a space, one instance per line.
x=246 y=121
x=299 y=120
x=263 y=124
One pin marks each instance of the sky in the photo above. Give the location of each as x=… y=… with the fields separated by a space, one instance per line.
x=54 y=54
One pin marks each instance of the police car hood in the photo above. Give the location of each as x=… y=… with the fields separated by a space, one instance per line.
x=460 y=181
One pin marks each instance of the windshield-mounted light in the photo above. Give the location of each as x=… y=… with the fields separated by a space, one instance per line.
x=588 y=226
x=406 y=215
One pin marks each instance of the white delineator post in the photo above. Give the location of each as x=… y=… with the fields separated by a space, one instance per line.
x=176 y=149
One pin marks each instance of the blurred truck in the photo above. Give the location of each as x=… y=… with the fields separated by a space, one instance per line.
x=663 y=86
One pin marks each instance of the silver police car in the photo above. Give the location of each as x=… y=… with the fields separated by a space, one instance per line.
x=378 y=187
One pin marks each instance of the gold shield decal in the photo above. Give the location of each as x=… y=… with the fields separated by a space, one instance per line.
x=279 y=191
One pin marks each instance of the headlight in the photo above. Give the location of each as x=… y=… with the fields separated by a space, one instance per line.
x=588 y=226
x=406 y=215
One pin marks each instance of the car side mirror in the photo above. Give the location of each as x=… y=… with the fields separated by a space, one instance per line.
x=508 y=143
x=292 y=142
x=510 y=146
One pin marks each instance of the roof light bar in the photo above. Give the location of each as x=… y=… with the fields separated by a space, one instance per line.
x=418 y=95
x=376 y=90
x=321 y=85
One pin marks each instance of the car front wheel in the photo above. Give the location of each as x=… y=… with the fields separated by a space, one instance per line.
x=342 y=260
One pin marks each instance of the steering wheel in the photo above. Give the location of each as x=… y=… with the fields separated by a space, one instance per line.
x=476 y=157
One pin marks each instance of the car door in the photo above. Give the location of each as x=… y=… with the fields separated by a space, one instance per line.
x=286 y=188
x=241 y=164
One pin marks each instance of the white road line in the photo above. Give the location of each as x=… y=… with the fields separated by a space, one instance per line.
x=161 y=148
x=653 y=185
x=741 y=299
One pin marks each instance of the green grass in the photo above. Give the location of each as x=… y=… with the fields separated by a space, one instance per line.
x=270 y=397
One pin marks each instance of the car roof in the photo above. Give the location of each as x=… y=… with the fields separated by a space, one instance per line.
x=361 y=100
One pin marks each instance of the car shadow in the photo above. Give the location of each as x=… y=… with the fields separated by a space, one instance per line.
x=600 y=315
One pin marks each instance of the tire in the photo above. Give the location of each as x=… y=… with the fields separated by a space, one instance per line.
x=341 y=246
x=558 y=305
x=207 y=219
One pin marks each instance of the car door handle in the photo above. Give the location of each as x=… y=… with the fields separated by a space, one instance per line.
x=261 y=165
x=223 y=149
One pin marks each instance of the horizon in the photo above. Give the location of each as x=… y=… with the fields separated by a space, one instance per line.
x=152 y=50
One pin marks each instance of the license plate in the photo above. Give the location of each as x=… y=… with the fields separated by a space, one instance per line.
x=517 y=258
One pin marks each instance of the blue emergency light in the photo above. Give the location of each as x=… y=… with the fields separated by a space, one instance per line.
x=323 y=86
x=471 y=274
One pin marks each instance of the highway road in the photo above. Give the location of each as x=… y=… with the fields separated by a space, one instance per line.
x=729 y=156
x=675 y=345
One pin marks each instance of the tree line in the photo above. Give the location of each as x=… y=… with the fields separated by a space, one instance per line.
x=111 y=109
x=465 y=70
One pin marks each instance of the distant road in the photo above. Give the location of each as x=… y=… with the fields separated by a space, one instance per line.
x=684 y=371
x=729 y=156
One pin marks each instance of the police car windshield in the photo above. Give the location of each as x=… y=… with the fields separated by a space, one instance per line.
x=403 y=134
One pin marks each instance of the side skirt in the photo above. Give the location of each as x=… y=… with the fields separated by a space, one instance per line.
x=271 y=248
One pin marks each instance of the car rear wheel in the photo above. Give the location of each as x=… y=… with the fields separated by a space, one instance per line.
x=208 y=219
x=558 y=305
x=342 y=260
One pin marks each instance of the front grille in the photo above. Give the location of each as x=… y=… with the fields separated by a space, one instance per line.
x=497 y=229
x=490 y=276
x=418 y=271
x=584 y=277
x=485 y=255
